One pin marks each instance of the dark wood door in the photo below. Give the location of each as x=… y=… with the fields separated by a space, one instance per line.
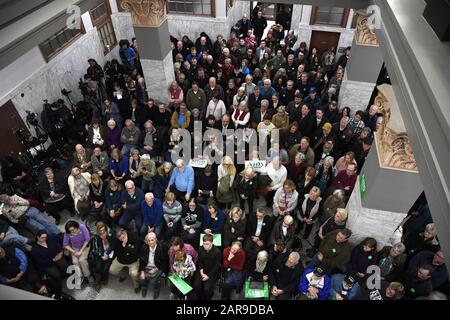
x=323 y=40
x=10 y=120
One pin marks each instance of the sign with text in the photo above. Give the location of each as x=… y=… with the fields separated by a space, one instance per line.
x=180 y=284
x=256 y=165
x=251 y=293
x=198 y=163
x=362 y=185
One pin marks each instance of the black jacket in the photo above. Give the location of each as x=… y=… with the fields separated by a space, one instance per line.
x=255 y=275
x=306 y=125
x=210 y=262
x=247 y=188
x=285 y=278
x=161 y=257
x=252 y=224
x=61 y=186
x=130 y=253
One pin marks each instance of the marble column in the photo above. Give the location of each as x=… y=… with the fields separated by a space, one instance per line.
x=363 y=68
x=389 y=182
x=152 y=32
x=355 y=94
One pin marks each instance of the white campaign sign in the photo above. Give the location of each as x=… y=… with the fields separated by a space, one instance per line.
x=200 y=163
x=256 y=165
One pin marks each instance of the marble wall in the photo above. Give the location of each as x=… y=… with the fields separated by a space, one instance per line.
x=365 y=222
x=40 y=80
x=158 y=76
x=355 y=94
x=192 y=26
x=123 y=25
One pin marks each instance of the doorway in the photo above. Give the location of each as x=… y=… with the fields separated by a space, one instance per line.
x=273 y=12
x=10 y=122
x=323 y=40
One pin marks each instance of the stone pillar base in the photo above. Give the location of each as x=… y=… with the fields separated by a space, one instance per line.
x=355 y=94
x=365 y=222
x=158 y=75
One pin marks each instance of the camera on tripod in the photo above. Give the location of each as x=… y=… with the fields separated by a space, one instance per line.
x=32 y=118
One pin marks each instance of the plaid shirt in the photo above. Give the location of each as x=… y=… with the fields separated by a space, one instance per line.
x=356 y=128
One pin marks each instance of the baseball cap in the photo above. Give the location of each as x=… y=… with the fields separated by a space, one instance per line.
x=312 y=90
x=350 y=280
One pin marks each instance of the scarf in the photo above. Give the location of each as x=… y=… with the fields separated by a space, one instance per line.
x=81 y=187
x=260 y=267
x=285 y=198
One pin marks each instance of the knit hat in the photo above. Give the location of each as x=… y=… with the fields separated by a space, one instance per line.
x=327 y=126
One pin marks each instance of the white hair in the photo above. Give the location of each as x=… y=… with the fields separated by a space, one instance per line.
x=149 y=196
x=150 y=235
x=263 y=255
x=295 y=256
x=267 y=81
x=288 y=219
x=180 y=162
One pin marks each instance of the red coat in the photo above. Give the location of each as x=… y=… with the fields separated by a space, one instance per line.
x=238 y=261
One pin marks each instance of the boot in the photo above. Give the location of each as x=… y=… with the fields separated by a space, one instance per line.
x=156 y=290
x=144 y=292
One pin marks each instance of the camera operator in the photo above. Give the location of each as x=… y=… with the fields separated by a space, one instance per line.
x=122 y=99
x=114 y=72
x=91 y=94
x=16 y=174
x=54 y=118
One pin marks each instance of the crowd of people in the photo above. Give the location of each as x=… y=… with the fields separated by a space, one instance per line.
x=154 y=217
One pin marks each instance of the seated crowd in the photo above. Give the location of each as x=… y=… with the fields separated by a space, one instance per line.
x=154 y=218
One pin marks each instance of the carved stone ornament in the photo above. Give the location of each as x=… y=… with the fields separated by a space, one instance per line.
x=365 y=34
x=145 y=13
x=393 y=144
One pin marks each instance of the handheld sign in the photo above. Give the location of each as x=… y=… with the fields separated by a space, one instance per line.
x=256 y=165
x=180 y=284
x=198 y=163
x=256 y=293
x=217 y=240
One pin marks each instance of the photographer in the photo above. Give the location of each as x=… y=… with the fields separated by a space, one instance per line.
x=16 y=174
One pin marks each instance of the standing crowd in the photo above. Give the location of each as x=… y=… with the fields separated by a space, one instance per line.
x=154 y=218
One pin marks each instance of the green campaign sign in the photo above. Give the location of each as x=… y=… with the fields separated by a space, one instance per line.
x=362 y=185
x=256 y=293
x=217 y=240
x=181 y=285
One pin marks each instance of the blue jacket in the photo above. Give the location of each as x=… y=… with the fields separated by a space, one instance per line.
x=113 y=199
x=216 y=225
x=184 y=181
x=313 y=104
x=303 y=286
x=440 y=273
x=152 y=215
x=336 y=287
x=19 y=255
x=133 y=204
x=119 y=168
x=266 y=94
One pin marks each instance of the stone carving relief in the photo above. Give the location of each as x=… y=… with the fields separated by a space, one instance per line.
x=365 y=33
x=145 y=13
x=394 y=147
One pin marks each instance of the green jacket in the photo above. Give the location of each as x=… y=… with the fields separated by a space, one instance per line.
x=196 y=100
x=150 y=171
x=334 y=254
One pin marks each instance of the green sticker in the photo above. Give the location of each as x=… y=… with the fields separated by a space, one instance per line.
x=413 y=290
x=264 y=224
x=333 y=250
x=111 y=194
x=370 y=257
